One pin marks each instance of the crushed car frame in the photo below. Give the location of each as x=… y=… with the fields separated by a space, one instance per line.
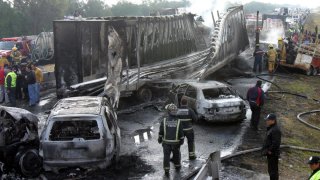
x=211 y=100
x=80 y=132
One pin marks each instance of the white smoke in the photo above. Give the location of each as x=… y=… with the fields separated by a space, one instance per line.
x=204 y=7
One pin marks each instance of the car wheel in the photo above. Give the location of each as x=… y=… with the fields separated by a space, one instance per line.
x=144 y=94
x=28 y=163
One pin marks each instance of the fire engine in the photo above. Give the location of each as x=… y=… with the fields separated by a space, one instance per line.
x=22 y=43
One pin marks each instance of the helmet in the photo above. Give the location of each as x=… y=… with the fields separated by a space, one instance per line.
x=14 y=48
x=171 y=107
x=270 y=46
x=280 y=39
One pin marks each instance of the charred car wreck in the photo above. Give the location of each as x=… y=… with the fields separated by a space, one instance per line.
x=19 y=141
x=80 y=132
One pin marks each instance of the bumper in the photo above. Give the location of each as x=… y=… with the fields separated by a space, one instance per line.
x=55 y=165
x=224 y=117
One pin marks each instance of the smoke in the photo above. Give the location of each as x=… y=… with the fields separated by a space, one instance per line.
x=204 y=7
x=271 y=37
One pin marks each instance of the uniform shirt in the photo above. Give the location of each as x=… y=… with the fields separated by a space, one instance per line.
x=39 y=75
x=272 y=54
x=186 y=116
x=315 y=175
x=170 y=130
x=258 y=54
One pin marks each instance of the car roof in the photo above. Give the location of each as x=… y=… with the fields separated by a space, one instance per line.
x=206 y=84
x=78 y=105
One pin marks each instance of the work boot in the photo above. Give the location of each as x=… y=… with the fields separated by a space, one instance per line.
x=166 y=173
x=178 y=167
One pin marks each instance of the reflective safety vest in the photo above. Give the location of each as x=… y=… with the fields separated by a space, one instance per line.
x=185 y=118
x=171 y=131
x=315 y=176
x=13 y=79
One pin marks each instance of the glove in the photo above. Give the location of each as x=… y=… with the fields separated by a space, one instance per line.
x=159 y=140
x=181 y=141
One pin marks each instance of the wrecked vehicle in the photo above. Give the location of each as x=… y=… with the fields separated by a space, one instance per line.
x=211 y=100
x=80 y=132
x=19 y=142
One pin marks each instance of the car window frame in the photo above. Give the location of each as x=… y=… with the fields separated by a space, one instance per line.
x=195 y=91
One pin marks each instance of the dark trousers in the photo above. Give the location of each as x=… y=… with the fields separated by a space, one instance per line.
x=273 y=167
x=12 y=96
x=255 y=116
x=167 y=149
x=257 y=64
x=189 y=134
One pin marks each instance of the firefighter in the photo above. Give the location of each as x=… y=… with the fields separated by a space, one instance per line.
x=258 y=55
x=3 y=61
x=15 y=56
x=171 y=136
x=314 y=163
x=282 y=50
x=272 y=55
x=10 y=85
x=186 y=116
x=39 y=80
x=255 y=96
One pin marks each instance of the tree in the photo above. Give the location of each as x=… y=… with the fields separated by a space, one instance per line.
x=96 y=8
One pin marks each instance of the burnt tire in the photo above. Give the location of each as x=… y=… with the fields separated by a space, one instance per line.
x=28 y=163
x=144 y=94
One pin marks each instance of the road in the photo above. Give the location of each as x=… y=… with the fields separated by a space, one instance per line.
x=141 y=155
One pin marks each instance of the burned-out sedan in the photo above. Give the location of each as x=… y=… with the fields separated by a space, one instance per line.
x=211 y=100
x=80 y=132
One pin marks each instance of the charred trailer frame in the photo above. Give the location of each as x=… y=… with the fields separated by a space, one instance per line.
x=81 y=47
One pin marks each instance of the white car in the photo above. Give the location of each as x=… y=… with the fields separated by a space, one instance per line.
x=80 y=132
x=211 y=100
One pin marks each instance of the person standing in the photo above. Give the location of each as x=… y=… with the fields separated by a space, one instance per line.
x=39 y=80
x=2 y=90
x=3 y=61
x=258 y=55
x=32 y=90
x=10 y=85
x=272 y=55
x=314 y=163
x=171 y=136
x=255 y=96
x=18 y=83
x=15 y=56
x=271 y=146
x=186 y=116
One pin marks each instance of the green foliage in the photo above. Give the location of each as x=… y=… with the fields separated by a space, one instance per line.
x=30 y=17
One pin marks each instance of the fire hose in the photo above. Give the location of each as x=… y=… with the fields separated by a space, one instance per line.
x=194 y=172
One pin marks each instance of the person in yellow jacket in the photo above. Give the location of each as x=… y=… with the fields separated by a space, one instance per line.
x=10 y=85
x=282 y=50
x=39 y=80
x=3 y=61
x=15 y=56
x=314 y=163
x=272 y=56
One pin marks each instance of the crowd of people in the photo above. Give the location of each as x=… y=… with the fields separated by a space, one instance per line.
x=19 y=80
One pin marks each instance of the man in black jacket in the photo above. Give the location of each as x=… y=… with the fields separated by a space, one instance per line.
x=255 y=96
x=186 y=116
x=171 y=136
x=271 y=146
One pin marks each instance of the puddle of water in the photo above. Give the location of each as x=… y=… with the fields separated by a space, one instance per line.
x=142 y=135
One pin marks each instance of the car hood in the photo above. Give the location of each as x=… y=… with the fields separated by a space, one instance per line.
x=5 y=51
x=224 y=102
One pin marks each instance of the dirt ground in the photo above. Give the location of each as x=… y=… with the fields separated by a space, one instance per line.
x=292 y=164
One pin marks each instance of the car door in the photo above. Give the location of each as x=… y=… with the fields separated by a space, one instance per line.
x=191 y=96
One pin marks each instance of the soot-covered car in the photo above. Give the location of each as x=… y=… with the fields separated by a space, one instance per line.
x=80 y=132
x=211 y=100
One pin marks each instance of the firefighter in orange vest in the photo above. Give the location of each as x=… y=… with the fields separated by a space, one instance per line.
x=171 y=136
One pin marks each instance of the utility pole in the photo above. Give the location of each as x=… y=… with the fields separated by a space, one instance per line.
x=257 y=28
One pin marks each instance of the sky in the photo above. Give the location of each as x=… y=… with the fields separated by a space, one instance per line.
x=307 y=3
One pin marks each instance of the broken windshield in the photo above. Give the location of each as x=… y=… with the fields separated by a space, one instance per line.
x=6 y=45
x=68 y=130
x=216 y=92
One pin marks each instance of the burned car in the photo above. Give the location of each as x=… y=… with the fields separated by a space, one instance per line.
x=80 y=132
x=211 y=100
x=19 y=142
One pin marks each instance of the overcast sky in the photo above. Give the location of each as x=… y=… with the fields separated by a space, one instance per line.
x=307 y=3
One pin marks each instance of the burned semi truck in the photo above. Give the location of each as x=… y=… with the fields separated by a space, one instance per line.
x=125 y=55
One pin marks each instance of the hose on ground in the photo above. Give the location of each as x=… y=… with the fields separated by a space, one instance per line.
x=306 y=123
